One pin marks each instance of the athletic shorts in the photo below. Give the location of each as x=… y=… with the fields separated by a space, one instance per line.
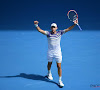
x=54 y=55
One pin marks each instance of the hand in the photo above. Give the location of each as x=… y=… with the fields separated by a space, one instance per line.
x=36 y=22
x=76 y=21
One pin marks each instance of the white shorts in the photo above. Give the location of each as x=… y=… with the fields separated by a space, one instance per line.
x=57 y=56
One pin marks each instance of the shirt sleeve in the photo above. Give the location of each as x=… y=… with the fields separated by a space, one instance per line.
x=62 y=31
x=46 y=33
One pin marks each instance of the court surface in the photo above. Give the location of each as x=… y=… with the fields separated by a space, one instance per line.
x=23 y=61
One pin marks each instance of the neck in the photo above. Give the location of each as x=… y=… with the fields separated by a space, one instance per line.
x=54 y=32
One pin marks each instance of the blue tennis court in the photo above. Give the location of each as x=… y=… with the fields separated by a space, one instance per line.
x=23 y=61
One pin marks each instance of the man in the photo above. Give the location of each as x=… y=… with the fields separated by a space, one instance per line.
x=54 y=49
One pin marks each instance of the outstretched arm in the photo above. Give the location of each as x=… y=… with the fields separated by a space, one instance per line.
x=71 y=27
x=38 y=28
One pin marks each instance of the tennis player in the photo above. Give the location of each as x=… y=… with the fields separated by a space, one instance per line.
x=54 y=49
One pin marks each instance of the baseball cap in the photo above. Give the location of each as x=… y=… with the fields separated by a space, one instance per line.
x=54 y=24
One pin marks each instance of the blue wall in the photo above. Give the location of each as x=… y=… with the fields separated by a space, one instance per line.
x=20 y=14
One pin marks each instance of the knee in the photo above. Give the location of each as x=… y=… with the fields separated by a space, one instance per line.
x=59 y=67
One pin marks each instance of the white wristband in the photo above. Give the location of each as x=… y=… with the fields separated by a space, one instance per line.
x=36 y=25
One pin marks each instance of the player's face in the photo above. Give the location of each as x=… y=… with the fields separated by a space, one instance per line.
x=53 y=28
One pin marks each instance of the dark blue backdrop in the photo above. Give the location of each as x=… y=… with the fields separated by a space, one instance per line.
x=20 y=14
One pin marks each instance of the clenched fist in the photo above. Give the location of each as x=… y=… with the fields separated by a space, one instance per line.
x=36 y=22
x=76 y=21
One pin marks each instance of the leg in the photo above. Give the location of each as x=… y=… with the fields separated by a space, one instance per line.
x=49 y=65
x=60 y=74
x=59 y=69
x=50 y=59
x=49 y=71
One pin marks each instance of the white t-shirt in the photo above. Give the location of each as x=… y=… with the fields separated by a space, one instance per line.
x=54 y=41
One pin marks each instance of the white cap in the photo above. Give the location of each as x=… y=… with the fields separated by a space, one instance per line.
x=54 y=24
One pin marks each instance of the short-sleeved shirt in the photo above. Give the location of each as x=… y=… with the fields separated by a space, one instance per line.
x=54 y=40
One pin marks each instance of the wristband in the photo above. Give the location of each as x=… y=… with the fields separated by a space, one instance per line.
x=36 y=25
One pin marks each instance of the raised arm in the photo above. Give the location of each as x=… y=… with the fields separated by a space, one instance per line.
x=71 y=27
x=38 y=28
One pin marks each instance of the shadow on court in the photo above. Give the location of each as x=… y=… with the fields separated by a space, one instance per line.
x=32 y=77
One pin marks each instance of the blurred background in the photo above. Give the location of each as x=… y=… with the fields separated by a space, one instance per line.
x=20 y=14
